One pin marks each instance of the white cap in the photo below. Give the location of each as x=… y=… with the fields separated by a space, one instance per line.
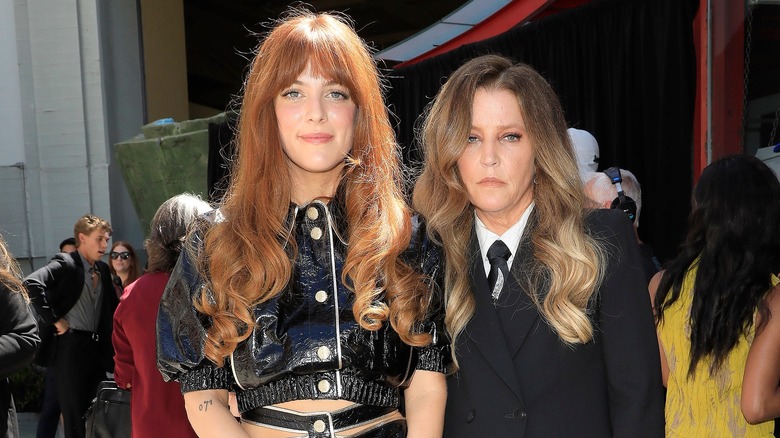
x=587 y=150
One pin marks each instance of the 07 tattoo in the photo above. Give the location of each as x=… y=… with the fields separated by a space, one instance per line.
x=205 y=405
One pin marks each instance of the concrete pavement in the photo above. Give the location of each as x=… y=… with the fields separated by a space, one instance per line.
x=28 y=422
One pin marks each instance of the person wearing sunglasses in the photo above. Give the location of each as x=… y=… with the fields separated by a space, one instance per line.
x=124 y=265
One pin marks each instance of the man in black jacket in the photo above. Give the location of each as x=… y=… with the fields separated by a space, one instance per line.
x=74 y=293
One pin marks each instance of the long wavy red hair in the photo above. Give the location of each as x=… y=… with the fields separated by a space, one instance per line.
x=245 y=256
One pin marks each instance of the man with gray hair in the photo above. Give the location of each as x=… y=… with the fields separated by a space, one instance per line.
x=618 y=188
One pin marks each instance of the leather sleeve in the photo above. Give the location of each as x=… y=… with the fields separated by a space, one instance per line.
x=429 y=259
x=181 y=330
x=18 y=332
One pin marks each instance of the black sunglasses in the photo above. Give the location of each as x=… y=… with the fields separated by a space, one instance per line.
x=124 y=255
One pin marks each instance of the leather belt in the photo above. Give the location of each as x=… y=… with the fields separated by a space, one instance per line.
x=95 y=337
x=317 y=424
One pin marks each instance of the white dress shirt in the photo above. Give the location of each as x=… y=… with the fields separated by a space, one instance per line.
x=511 y=237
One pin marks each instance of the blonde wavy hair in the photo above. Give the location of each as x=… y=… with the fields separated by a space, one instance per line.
x=10 y=273
x=568 y=263
x=245 y=260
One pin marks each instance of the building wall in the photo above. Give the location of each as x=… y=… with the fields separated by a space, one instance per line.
x=69 y=92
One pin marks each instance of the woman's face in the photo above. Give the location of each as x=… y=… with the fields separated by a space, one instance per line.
x=316 y=125
x=121 y=259
x=497 y=165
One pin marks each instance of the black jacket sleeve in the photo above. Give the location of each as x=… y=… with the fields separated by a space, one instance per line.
x=45 y=281
x=629 y=344
x=181 y=329
x=428 y=259
x=18 y=332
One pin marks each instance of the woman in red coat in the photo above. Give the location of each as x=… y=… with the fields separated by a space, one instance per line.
x=157 y=406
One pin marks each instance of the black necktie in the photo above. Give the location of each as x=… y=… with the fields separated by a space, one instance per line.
x=497 y=255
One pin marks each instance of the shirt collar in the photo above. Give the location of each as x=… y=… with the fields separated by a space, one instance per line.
x=511 y=237
x=85 y=264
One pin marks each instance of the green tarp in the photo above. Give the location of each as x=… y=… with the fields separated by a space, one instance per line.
x=166 y=160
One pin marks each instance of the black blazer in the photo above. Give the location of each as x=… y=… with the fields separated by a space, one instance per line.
x=55 y=288
x=528 y=383
x=18 y=342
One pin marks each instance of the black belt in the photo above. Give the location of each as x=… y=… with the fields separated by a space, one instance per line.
x=317 y=424
x=95 y=337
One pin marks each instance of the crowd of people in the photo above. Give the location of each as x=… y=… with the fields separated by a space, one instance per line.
x=511 y=297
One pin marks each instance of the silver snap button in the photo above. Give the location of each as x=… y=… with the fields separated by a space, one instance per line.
x=321 y=296
x=319 y=426
x=316 y=233
x=323 y=386
x=312 y=213
x=323 y=352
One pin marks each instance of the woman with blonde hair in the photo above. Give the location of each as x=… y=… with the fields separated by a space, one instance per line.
x=551 y=329
x=303 y=292
x=18 y=336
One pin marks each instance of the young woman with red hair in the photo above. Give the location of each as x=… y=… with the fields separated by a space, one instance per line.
x=309 y=292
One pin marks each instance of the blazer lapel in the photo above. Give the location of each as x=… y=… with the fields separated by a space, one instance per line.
x=78 y=285
x=517 y=311
x=484 y=330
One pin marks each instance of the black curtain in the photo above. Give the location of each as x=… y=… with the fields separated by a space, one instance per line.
x=624 y=70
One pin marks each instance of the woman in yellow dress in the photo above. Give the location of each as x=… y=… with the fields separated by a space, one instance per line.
x=715 y=304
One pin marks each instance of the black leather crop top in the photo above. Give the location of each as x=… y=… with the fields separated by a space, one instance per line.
x=306 y=343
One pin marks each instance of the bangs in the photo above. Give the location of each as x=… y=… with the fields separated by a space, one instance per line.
x=313 y=45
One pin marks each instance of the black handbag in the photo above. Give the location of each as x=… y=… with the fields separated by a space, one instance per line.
x=109 y=414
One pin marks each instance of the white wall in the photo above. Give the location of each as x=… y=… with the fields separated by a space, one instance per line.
x=124 y=96
x=71 y=86
x=12 y=143
x=15 y=222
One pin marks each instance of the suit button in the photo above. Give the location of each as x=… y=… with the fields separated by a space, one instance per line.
x=312 y=213
x=470 y=416
x=517 y=414
x=316 y=233
x=321 y=296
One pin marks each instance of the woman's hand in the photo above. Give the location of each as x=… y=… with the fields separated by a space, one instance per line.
x=62 y=326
